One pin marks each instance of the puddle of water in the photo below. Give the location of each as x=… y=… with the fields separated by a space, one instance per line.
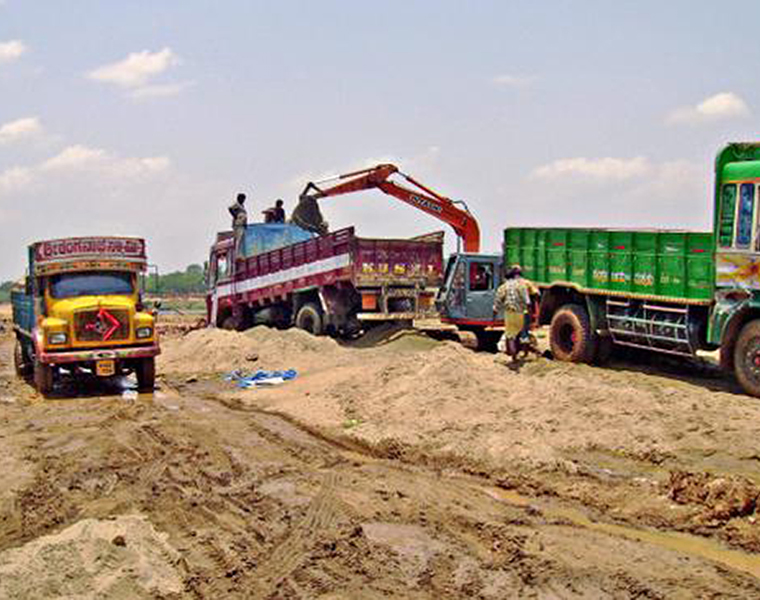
x=508 y=496
x=680 y=542
x=606 y=463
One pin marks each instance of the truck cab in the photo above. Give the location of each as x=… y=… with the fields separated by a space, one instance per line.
x=80 y=310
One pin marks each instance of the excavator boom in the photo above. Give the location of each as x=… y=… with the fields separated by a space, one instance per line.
x=454 y=213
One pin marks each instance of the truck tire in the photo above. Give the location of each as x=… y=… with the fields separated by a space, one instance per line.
x=229 y=323
x=309 y=318
x=570 y=336
x=604 y=346
x=146 y=374
x=43 y=378
x=747 y=358
x=20 y=360
x=488 y=340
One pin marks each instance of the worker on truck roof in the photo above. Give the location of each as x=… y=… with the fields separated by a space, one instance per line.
x=239 y=221
x=275 y=214
x=514 y=295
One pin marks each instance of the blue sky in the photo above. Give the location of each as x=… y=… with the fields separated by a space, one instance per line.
x=146 y=117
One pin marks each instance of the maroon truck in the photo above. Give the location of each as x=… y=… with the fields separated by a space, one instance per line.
x=336 y=283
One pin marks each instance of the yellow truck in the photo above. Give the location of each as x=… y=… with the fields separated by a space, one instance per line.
x=79 y=310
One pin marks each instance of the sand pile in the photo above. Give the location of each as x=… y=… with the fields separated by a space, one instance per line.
x=399 y=336
x=218 y=351
x=207 y=351
x=290 y=342
x=119 y=558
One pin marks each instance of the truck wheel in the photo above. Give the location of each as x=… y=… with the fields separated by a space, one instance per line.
x=20 y=360
x=43 y=378
x=487 y=340
x=146 y=374
x=229 y=323
x=570 y=336
x=309 y=318
x=604 y=345
x=747 y=358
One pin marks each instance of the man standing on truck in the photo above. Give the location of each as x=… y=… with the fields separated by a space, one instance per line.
x=514 y=296
x=239 y=222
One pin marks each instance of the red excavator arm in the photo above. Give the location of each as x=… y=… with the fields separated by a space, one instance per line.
x=420 y=197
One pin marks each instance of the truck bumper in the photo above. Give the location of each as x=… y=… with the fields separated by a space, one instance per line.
x=393 y=316
x=79 y=356
x=474 y=323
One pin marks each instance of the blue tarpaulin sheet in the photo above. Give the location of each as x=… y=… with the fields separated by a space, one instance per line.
x=261 y=378
x=264 y=237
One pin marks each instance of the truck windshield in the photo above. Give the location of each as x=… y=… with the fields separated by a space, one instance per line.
x=101 y=283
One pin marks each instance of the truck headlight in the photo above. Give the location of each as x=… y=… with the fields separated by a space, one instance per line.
x=57 y=338
x=144 y=332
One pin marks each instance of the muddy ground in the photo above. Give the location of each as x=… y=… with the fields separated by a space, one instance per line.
x=396 y=466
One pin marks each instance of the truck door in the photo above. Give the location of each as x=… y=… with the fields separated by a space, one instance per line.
x=482 y=281
x=218 y=274
x=452 y=297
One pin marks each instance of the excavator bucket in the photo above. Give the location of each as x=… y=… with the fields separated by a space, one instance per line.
x=307 y=215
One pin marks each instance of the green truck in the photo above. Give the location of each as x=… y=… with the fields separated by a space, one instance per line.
x=675 y=292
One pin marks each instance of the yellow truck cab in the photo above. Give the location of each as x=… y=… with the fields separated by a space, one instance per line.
x=79 y=309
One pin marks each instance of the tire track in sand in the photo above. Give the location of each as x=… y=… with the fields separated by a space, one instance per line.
x=321 y=515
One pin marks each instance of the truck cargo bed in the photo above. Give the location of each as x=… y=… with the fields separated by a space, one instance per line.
x=342 y=276
x=668 y=265
x=363 y=260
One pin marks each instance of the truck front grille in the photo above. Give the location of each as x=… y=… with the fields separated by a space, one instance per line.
x=101 y=325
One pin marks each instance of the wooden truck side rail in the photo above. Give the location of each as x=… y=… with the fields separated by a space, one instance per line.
x=272 y=275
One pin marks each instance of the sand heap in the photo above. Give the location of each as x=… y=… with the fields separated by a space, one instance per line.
x=123 y=557
x=218 y=350
x=206 y=351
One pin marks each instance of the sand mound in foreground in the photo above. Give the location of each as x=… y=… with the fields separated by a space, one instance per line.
x=123 y=557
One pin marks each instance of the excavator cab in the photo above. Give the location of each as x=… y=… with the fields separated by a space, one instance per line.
x=470 y=284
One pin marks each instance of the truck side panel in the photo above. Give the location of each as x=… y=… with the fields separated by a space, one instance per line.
x=674 y=266
x=23 y=311
x=272 y=275
x=398 y=262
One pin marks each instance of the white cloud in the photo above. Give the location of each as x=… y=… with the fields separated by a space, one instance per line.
x=11 y=50
x=74 y=157
x=137 y=69
x=14 y=179
x=512 y=80
x=725 y=105
x=594 y=169
x=160 y=90
x=137 y=167
x=19 y=129
x=98 y=165
x=96 y=160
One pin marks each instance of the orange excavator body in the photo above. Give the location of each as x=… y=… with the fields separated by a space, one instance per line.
x=455 y=213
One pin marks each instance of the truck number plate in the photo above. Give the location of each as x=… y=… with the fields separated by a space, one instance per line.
x=105 y=368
